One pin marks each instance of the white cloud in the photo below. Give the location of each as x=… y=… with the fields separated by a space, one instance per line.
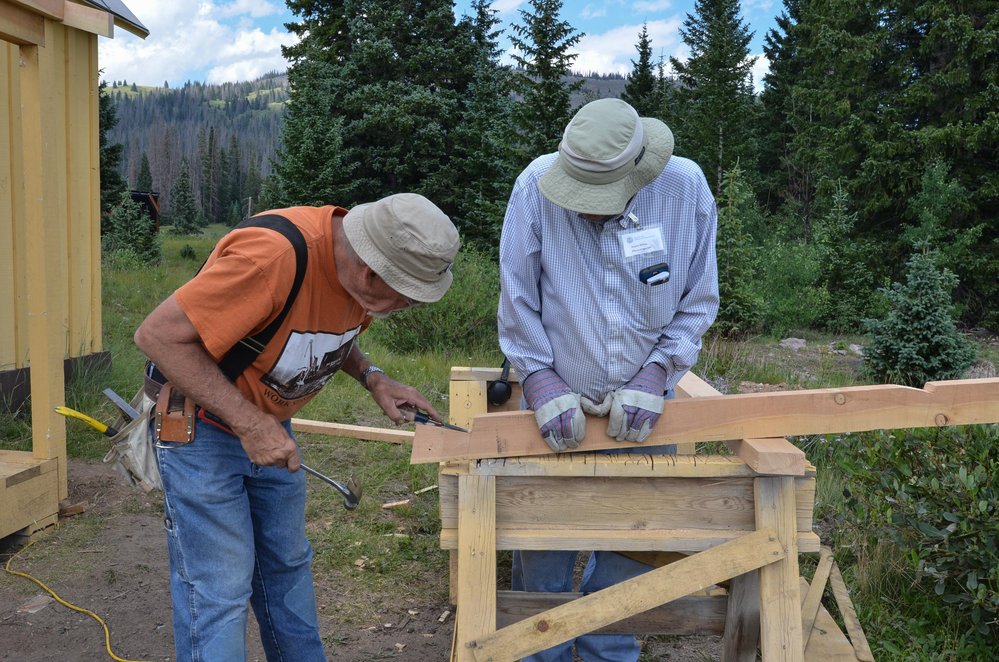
x=194 y=39
x=589 y=11
x=651 y=7
x=506 y=6
x=613 y=51
x=760 y=69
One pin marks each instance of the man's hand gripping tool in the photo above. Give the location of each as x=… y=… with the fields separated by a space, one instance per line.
x=424 y=418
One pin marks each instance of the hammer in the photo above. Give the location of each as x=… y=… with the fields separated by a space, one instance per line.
x=351 y=491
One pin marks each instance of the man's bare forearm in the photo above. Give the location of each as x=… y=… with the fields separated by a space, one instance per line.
x=171 y=341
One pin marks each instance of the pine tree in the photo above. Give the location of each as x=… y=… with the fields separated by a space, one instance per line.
x=144 y=182
x=918 y=341
x=642 y=90
x=542 y=44
x=713 y=109
x=740 y=308
x=184 y=212
x=784 y=182
x=131 y=230
x=310 y=169
x=112 y=183
x=480 y=174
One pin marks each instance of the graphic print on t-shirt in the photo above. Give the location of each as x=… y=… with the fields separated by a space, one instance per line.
x=308 y=361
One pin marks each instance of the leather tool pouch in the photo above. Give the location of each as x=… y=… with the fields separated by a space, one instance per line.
x=174 y=416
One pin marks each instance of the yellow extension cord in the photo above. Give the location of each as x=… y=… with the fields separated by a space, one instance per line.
x=107 y=633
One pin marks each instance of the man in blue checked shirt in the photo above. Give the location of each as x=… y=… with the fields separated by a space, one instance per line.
x=609 y=280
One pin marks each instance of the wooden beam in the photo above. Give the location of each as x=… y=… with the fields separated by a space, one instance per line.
x=827 y=643
x=53 y=9
x=780 y=600
x=352 y=431
x=476 y=560
x=778 y=414
x=742 y=621
x=626 y=465
x=627 y=598
x=613 y=540
x=20 y=26
x=849 y=614
x=693 y=614
x=813 y=600
x=88 y=19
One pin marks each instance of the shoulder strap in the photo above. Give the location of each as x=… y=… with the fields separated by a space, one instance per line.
x=248 y=349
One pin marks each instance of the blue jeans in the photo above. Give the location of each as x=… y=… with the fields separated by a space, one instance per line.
x=236 y=534
x=551 y=572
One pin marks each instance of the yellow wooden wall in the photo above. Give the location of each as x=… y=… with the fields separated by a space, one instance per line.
x=70 y=189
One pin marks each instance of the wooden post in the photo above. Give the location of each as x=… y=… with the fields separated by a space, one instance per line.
x=742 y=619
x=476 y=615
x=780 y=602
x=45 y=318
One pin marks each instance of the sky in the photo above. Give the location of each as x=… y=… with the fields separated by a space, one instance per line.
x=216 y=41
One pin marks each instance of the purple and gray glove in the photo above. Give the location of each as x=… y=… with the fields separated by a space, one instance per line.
x=556 y=408
x=636 y=406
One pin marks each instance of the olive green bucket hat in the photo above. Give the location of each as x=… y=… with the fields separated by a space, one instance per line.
x=608 y=153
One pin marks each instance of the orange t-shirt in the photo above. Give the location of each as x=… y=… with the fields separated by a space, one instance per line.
x=244 y=285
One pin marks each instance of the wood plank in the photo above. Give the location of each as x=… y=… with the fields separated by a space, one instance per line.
x=827 y=643
x=671 y=540
x=771 y=455
x=45 y=314
x=465 y=374
x=742 y=622
x=80 y=179
x=53 y=9
x=752 y=415
x=20 y=26
x=810 y=603
x=476 y=614
x=849 y=614
x=28 y=492
x=467 y=400
x=352 y=431
x=631 y=466
x=693 y=614
x=780 y=602
x=627 y=598
x=578 y=505
x=88 y=19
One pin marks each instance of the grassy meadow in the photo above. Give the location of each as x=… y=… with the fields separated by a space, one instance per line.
x=376 y=551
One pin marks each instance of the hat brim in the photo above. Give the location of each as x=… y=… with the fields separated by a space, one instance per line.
x=610 y=199
x=424 y=292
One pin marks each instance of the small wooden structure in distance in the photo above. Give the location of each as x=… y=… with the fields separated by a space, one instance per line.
x=50 y=284
x=743 y=519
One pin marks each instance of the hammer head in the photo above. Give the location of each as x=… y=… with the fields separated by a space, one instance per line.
x=353 y=497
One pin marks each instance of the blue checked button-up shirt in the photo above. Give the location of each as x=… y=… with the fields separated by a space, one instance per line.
x=572 y=302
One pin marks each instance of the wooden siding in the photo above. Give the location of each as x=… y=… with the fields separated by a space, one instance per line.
x=70 y=188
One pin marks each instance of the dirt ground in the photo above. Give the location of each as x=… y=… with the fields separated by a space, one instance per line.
x=112 y=560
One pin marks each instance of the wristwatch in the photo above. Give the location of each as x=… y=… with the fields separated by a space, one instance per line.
x=367 y=371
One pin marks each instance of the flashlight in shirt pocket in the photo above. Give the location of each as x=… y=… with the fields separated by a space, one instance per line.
x=657 y=274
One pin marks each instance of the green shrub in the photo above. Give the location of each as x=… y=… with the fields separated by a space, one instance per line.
x=740 y=309
x=463 y=321
x=935 y=495
x=788 y=286
x=851 y=286
x=187 y=252
x=129 y=228
x=918 y=342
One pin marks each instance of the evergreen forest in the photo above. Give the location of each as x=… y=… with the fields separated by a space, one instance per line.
x=872 y=138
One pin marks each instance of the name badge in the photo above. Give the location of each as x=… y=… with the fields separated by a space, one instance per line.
x=635 y=243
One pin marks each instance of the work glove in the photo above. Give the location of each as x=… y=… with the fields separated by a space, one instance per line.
x=556 y=409
x=636 y=406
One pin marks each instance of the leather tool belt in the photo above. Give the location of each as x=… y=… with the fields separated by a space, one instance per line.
x=174 y=415
x=174 y=412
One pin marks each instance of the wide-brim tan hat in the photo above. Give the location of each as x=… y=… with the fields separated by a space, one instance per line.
x=408 y=241
x=607 y=154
